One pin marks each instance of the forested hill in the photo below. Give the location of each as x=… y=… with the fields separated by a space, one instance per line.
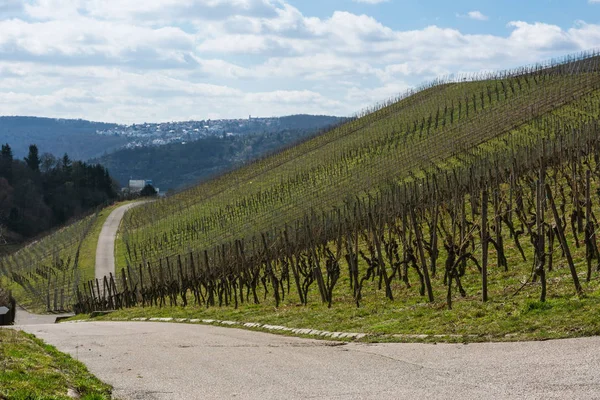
x=175 y=165
x=41 y=192
x=84 y=140
x=75 y=137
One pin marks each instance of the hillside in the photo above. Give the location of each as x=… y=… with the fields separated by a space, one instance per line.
x=173 y=154
x=77 y=138
x=479 y=189
x=443 y=126
x=84 y=140
x=175 y=165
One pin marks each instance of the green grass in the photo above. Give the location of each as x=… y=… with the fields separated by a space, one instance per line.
x=524 y=318
x=32 y=370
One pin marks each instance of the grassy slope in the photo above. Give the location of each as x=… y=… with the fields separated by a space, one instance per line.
x=348 y=161
x=30 y=369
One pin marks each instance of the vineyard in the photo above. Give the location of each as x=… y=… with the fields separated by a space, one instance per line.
x=430 y=129
x=44 y=274
x=466 y=190
x=428 y=188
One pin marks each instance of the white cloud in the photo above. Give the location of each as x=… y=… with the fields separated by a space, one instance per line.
x=476 y=15
x=107 y=60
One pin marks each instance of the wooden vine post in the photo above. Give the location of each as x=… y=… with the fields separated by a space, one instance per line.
x=418 y=234
x=563 y=241
x=484 y=245
x=541 y=245
x=590 y=230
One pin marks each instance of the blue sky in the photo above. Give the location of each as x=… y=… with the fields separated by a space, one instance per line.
x=163 y=60
x=403 y=14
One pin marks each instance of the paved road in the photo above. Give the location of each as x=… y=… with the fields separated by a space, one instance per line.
x=105 y=252
x=25 y=318
x=146 y=360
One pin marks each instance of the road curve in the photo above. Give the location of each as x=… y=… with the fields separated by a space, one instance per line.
x=24 y=317
x=163 y=361
x=105 y=252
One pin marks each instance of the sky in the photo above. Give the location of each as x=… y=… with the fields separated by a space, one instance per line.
x=135 y=61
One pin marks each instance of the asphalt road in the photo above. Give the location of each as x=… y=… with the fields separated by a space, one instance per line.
x=105 y=251
x=145 y=360
x=25 y=318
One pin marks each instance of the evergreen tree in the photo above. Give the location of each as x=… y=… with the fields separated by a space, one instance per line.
x=33 y=159
x=6 y=152
x=6 y=160
x=66 y=161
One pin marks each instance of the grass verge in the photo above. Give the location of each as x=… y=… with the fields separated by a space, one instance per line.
x=504 y=318
x=30 y=369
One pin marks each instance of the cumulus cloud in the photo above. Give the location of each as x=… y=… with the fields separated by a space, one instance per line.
x=181 y=59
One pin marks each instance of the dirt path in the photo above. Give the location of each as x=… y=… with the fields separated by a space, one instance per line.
x=105 y=252
x=145 y=360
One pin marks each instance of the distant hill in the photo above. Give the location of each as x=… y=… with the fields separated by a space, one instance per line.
x=85 y=140
x=176 y=165
x=75 y=137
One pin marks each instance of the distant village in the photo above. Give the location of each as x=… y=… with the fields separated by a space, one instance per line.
x=158 y=134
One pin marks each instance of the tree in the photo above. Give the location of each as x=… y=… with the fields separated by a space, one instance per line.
x=48 y=162
x=6 y=152
x=6 y=199
x=6 y=160
x=33 y=158
x=148 y=191
x=66 y=164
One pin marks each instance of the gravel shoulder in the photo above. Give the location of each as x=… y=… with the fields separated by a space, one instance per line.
x=146 y=360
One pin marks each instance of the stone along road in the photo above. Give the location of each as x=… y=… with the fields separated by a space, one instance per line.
x=145 y=360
